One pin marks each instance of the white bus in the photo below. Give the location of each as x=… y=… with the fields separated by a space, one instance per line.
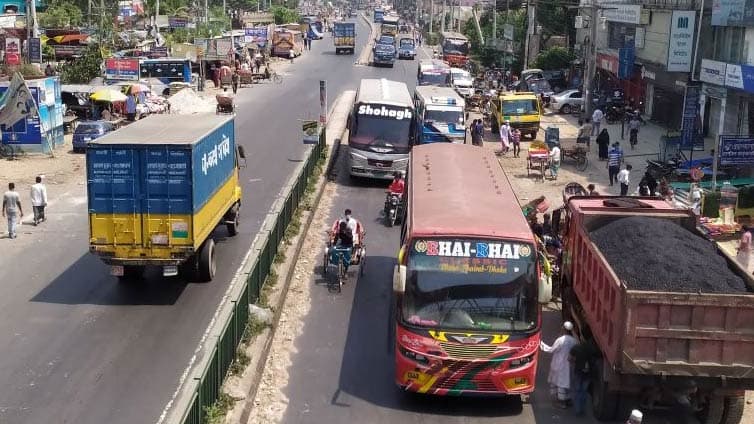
x=439 y=115
x=381 y=128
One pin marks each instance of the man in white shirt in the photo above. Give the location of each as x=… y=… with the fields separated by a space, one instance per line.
x=38 y=200
x=12 y=209
x=597 y=121
x=623 y=179
x=554 y=161
x=505 y=136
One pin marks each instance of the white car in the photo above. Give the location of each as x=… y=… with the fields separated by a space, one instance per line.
x=567 y=101
x=462 y=81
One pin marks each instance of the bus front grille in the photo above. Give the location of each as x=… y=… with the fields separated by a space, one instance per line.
x=465 y=351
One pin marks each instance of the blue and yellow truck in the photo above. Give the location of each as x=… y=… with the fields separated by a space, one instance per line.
x=158 y=188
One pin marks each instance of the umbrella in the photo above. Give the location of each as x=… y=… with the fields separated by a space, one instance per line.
x=138 y=88
x=108 y=95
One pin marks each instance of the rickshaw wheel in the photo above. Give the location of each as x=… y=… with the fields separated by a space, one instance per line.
x=581 y=162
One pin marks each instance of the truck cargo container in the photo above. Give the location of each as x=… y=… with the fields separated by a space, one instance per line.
x=688 y=350
x=158 y=188
x=344 y=37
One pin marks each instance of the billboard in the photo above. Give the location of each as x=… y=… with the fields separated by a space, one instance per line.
x=122 y=69
x=732 y=13
x=681 y=41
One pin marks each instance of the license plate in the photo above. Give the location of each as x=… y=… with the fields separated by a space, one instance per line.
x=116 y=270
x=87 y=139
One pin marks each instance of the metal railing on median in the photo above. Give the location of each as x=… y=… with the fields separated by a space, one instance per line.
x=206 y=386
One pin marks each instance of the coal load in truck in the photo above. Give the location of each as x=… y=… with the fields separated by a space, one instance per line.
x=660 y=255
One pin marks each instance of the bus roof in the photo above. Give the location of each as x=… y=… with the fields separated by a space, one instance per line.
x=429 y=64
x=433 y=95
x=384 y=91
x=456 y=35
x=461 y=190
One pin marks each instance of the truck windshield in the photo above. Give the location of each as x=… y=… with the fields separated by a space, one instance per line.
x=406 y=42
x=444 y=116
x=520 y=107
x=370 y=129
x=471 y=292
x=457 y=47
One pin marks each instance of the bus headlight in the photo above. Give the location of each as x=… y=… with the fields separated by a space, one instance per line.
x=520 y=362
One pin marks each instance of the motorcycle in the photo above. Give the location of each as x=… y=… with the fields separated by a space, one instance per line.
x=613 y=115
x=392 y=208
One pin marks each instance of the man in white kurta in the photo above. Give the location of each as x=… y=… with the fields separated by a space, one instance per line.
x=560 y=366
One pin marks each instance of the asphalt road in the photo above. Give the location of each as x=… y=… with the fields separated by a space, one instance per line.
x=342 y=371
x=79 y=347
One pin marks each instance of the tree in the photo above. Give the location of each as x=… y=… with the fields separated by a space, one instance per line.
x=59 y=14
x=491 y=57
x=554 y=58
x=283 y=15
x=85 y=68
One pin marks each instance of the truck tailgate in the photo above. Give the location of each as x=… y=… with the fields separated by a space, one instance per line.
x=688 y=334
x=644 y=332
x=140 y=195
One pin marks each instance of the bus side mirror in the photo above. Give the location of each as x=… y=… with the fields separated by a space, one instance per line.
x=242 y=156
x=544 y=285
x=348 y=123
x=399 y=278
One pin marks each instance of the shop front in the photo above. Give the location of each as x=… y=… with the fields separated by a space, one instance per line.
x=664 y=93
x=607 y=79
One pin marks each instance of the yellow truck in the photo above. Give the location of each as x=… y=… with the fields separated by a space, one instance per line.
x=158 y=188
x=523 y=110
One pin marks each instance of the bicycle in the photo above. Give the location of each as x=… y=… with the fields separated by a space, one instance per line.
x=337 y=257
x=276 y=78
x=11 y=152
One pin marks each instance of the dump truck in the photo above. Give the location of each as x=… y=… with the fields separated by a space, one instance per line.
x=670 y=319
x=344 y=37
x=158 y=188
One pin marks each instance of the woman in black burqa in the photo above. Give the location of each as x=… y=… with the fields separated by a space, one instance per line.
x=603 y=142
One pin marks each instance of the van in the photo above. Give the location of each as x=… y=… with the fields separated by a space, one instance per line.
x=523 y=110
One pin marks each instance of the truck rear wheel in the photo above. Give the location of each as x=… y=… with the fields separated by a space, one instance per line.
x=604 y=403
x=207 y=264
x=713 y=411
x=233 y=220
x=734 y=409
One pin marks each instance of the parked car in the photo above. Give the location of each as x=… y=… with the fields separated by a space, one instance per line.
x=557 y=80
x=567 y=101
x=87 y=131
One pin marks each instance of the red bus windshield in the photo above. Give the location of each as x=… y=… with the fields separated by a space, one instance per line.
x=471 y=285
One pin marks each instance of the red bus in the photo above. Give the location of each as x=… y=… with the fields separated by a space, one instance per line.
x=455 y=48
x=467 y=317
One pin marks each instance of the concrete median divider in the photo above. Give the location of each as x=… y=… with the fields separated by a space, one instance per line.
x=365 y=58
x=200 y=385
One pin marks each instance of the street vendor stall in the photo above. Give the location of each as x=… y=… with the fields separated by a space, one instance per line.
x=537 y=157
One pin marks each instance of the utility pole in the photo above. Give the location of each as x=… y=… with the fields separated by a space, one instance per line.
x=156 y=11
x=590 y=62
x=206 y=12
x=442 y=16
x=431 y=14
x=494 y=24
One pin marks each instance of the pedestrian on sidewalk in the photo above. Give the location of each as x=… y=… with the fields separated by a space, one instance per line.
x=624 y=179
x=585 y=132
x=560 y=368
x=554 y=161
x=582 y=356
x=131 y=107
x=597 y=120
x=235 y=79
x=614 y=159
x=505 y=134
x=633 y=130
x=592 y=190
x=516 y=140
x=603 y=143
x=38 y=200
x=477 y=132
x=743 y=251
x=12 y=209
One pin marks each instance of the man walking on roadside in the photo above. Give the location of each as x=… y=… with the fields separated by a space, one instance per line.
x=614 y=159
x=582 y=356
x=624 y=179
x=38 y=200
x=597 y=121
x=560 y=368
x=12 y=209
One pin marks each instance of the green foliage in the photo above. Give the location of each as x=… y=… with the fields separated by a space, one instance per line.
x=60 y=14
x=284 y=15
x=83 y=69
x=554 y=58
x=491 y=57
x=215 y=414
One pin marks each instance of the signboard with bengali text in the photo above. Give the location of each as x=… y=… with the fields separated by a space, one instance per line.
x=736 y=150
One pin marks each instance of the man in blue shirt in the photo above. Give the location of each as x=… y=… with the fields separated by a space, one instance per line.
x=614 y=159
x=131 y=107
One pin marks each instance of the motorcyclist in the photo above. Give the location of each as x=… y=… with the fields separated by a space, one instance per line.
x=398 y=185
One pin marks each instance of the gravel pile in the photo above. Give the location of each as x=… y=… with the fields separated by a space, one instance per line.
x=187 y=101
x=658 y=255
